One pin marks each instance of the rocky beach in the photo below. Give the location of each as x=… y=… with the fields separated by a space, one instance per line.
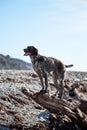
x=17 y=111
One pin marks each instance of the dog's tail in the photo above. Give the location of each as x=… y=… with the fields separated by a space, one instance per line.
x=67 y=66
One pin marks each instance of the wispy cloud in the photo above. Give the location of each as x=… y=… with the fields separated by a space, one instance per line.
x=71 y=14
x=83 y=2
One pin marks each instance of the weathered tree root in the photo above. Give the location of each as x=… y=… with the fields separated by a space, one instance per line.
x=56 y=105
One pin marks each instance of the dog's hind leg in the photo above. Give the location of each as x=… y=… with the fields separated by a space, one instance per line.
x=61 y=81
x=55 y=77
x=61 y=88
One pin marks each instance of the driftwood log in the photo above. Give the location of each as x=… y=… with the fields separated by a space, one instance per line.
x=56 y=105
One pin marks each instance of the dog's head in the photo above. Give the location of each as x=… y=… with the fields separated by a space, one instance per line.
x=30 y=51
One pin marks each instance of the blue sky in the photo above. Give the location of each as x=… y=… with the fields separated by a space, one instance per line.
x=58 y=28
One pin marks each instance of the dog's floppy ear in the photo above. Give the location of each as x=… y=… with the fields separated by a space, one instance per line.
x=35 y=51
x=40 y=59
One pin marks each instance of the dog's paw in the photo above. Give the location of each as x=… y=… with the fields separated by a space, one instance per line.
x=54 y=95
x=59 y=96
x=43 y=91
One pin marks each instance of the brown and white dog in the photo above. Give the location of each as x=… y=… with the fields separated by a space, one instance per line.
x=45 y=65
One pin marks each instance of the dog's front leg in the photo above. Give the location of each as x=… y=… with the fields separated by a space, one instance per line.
x=42 y=83
x=46 y=81
x=57 y=87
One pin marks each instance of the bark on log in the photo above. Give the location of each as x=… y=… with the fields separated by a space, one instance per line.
x=56 y=105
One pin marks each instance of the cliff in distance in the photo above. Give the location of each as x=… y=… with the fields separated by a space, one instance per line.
x=6 y=62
